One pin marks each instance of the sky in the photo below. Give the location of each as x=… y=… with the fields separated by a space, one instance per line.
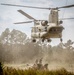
x=10 y=15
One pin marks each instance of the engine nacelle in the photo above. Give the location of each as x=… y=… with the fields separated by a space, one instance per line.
x=44 y=23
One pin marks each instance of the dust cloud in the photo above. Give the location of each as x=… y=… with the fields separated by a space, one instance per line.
x=17 y=50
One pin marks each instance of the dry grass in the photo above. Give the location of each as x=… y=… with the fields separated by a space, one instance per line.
x=13 y=71
x=32 y=71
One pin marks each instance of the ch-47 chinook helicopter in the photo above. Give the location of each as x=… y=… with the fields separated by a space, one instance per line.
x=44 y=29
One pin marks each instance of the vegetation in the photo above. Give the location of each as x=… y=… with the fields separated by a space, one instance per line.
x=11 y=71
x=1 y=68
x=32 y=71
x=15 y=47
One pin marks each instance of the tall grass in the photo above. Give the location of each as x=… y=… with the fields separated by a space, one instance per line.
x=13 y=71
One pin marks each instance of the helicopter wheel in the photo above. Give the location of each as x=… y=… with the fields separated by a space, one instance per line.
x=61 y=39
x=42 y=40
x=48 y=40
x=34 y=40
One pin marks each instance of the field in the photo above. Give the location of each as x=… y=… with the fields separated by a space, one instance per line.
x=4 y=70
x=13 y=71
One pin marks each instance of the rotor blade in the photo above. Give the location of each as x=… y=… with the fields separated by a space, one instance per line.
x=66 y=18
x=23 y=22
x=25 y=14
x=24 y=6
x=68 y=6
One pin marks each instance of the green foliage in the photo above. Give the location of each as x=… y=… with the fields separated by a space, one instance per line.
x=11 y=71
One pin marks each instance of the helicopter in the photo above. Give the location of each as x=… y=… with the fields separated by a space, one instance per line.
x=43 y=29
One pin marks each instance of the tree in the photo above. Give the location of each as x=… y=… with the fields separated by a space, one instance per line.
x=68 y=45
x=5 y=36
x=1 y=53
x=17 y=37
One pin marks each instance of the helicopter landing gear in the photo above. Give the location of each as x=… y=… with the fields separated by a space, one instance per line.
x=61 y=39
x=48 y=40
x=34 y=40
x=43 y=40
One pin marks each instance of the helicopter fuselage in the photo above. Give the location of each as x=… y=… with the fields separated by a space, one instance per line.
x=48 y=31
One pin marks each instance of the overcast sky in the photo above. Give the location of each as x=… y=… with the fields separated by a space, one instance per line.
x=10 y=15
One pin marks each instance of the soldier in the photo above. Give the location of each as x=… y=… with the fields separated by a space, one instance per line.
x=40 y=65
x=46 y=67
x=35 y=66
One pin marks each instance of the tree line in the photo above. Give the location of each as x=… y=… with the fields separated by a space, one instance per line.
x=15 y=46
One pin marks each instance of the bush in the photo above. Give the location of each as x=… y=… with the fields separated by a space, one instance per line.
x=1 y=69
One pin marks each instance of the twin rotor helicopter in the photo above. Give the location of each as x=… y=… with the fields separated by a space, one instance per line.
x=43 y=29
